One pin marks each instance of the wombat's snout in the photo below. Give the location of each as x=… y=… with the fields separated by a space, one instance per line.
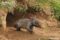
x=37 y=24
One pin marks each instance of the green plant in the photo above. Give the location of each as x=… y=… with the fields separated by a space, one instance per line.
x=21 y=8
x=56 y=7
x=35 y=8
x=9 y=4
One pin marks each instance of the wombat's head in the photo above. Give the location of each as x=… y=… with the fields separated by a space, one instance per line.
x=36 y=23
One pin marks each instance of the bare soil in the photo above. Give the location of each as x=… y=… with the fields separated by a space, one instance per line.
x=39 y=34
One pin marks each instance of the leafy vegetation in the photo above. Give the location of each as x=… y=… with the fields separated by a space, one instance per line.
x=21 y=8
x=56 y=7
x=9 y=4
x=55 y=4
x=36 y=6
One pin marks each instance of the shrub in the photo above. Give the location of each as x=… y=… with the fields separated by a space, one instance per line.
x=35 y=8
x=21 y=8
x=9 y=4
x=56 y=7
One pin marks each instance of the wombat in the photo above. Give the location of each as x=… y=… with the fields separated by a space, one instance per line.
x=27 y=24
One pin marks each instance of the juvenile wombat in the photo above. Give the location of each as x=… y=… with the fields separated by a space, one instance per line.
x=27 y=24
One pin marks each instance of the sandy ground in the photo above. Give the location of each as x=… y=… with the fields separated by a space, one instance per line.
x=39 y=34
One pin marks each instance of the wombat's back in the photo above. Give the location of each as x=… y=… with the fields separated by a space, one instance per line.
x=23 y=22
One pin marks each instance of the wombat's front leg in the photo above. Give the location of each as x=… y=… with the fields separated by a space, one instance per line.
x=18 y=28
x=30 y=29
